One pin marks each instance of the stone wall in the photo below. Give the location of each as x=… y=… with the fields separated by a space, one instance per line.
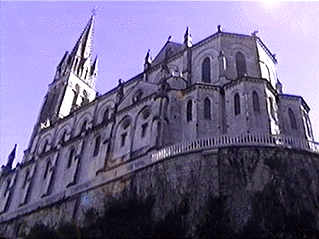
x=239 y=174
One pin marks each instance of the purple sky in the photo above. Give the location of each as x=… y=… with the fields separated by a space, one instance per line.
x=35 y=36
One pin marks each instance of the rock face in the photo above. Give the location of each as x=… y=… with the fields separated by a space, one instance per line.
x=256 y=185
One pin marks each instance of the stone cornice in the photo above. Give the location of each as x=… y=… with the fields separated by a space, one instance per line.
x=297 y=98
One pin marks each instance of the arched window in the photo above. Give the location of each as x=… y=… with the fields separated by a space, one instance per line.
x=45 y=146
x=97 y=146
x=189 y=111
x=26 y=179
x=106 y=115
x=47 y=167
x=237 y=104
x=207 y=113
x=292 y=118
x=256 y=106
x=71 y=156
x=240 y=64
x=206 y=70
x=84 y=125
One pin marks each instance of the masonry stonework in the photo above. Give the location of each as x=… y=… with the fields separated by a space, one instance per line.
x=205 y=119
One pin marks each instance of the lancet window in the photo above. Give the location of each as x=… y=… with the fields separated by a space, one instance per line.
x=189 y=111
x=237 y=104
x=256 y=105
x=47 y=167
x=207 y=109
x=240 y=64
x=206 y=70
x=97 y=146
x=71 y=157
x=292 y=118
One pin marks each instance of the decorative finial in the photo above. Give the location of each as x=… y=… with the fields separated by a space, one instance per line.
x=219 y=28
x=94 y=10
x=254 y=33
x=279 y=87
x=188 y=38
x=148 y=59
x=11 y=158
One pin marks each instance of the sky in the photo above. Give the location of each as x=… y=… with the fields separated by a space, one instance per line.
x=35 y=35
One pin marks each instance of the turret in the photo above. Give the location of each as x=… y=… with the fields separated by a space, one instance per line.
x=188 y=38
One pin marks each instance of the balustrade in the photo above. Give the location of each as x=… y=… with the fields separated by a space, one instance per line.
x=235 y=140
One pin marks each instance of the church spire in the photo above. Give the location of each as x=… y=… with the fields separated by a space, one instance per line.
x=84 y=46
x=81 y=55
x=78 y=66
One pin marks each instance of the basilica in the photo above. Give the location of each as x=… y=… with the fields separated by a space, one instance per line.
x=191 y=97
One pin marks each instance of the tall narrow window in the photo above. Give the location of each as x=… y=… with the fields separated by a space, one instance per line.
x=83 y=128
x=26 y=179
x=237 y=104
x=47 y=167
x=63 y=137
x=76 y=64
x=86 y=73
x=256 y=106
x=97 y=146
x=106 y=115
x=240 y=64
x=144 y=129
x=71 y=156
x=207 y=113
x=189 y=111
x=206 y=70
x=292 y=118
x=45 y=146
x=123 y=137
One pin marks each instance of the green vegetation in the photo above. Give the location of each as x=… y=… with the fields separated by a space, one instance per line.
x=131 y=217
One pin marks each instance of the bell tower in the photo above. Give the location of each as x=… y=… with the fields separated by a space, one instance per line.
x=74 y=81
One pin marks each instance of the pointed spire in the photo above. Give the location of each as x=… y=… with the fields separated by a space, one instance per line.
x=81 y=60
x=11 y=158
x=188 y=38
x=148 y=60
x=84 y=46
x=279 y=87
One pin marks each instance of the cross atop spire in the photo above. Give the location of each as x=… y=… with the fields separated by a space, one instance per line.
x=94 y=10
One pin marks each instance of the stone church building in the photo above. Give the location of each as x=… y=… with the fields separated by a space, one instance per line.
x=191 y=99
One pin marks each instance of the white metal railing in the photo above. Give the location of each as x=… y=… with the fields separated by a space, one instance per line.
x=233 y=140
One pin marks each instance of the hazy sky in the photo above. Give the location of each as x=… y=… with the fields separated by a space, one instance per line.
x=35 y=36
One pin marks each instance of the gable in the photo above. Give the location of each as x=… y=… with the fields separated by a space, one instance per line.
x=171 y=48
